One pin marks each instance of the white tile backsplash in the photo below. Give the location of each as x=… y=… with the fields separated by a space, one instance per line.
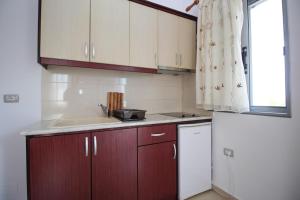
x=76 y=92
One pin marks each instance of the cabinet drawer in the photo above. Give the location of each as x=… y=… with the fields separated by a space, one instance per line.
x=156 y=134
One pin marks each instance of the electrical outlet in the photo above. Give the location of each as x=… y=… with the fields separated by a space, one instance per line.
x=228 y=152
x=11 y=98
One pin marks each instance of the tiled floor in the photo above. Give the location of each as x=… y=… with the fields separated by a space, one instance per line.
x=210 y=195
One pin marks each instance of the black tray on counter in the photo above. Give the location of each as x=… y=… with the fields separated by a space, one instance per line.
x=129 y=114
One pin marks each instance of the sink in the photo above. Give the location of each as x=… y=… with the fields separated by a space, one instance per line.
x=85 y=121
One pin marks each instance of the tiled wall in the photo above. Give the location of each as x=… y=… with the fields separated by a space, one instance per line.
x=76 y=92
x=189 y=94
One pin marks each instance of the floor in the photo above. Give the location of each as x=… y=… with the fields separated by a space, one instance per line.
x=210 y=195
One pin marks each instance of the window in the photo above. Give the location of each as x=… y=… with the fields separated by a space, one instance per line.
x=266 y=64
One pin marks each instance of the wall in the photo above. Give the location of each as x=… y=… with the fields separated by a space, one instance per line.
x=73 y=92
x=266 y=165
x=19 y=74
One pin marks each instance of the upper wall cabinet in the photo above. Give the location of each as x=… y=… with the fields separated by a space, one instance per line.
x=110 y=31
x=168 y=40
x=64 y=29
x=134 y=35
x=143 y=36
x=187 y=43
x=176 y=41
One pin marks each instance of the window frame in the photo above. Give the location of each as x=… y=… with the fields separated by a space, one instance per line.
x=267 y=110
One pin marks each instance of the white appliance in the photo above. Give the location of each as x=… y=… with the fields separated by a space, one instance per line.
x=194 y=146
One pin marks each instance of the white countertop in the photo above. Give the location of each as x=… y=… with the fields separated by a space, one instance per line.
x=50 y=126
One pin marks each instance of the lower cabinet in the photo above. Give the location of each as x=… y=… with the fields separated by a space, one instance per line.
x=104 y=165
x=114 y=165
x=63 y=167
x=157 y=172
x=59 y=168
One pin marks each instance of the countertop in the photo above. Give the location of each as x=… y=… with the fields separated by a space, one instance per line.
x=50 y=126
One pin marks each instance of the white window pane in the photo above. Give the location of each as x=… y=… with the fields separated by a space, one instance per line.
x=267 y=59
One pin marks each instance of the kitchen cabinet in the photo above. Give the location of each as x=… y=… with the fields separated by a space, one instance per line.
x=143 y=36
x=157 y=171
x=156 y=134
x=64 y=29
x=167 y=40
x=110 y=31
x=128 y=164
x=157 y=162
x=176 y=41
x=114 y=165
x=135 y=35
x=187 y=43
x=59 y=167
x=100 y=165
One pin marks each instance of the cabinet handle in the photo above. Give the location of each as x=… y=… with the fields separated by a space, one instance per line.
x=156 y=59
x=180 y=59
x=86 y=50
x=93 y=51
x=197 y=133
x=176 y=59
x=194 y=125
x=86 y=146
x=95 y=146
x=175 y=151
x=157 y=134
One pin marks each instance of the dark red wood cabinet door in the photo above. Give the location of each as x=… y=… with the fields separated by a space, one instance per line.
x=59 y=168
x=157 y=177
x=114 y=165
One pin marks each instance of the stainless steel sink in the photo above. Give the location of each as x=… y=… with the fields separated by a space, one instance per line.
x=85 y=121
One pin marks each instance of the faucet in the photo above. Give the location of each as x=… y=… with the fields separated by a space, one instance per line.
x=104 y=109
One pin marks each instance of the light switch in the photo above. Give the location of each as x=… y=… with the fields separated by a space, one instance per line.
x=11 y=98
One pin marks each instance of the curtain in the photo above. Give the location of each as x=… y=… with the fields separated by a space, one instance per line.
x=220 y=79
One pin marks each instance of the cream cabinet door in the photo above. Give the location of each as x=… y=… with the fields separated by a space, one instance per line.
x=168 y=40
x=143 y=36
x=187 y=43
x=110 y=31
x=65 y=29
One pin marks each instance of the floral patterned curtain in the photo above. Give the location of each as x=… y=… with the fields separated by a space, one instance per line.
x=221 y=82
